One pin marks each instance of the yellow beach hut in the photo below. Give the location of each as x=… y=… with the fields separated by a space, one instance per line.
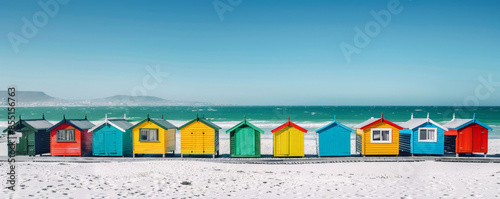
x=289 y=140
x=153 y=136
x=199 y=137
x=377 y=136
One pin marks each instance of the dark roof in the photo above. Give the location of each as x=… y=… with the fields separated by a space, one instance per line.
x=80 y=124
x=164 y=123
x=122 y=123
x=202 y=120
x=160 y=122
x=35 y=124
x=39 y=124
x=245 y=123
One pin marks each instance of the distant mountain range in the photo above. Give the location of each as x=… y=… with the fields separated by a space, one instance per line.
x=36 y=98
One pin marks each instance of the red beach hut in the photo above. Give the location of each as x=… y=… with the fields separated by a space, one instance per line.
x=71 y=137
x=466 y=136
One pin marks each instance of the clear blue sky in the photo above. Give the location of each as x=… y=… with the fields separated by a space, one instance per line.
x=277 y=52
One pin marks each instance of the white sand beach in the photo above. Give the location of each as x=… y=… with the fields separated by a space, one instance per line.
x=193 y=179
x=178 y=179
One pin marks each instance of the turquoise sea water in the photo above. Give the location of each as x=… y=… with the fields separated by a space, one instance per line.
x=266 y=117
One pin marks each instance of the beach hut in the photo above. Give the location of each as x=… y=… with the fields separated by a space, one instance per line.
x=422 y=136
x=112 y=137
x=153 y=136
x=199 y=137
x=33 y=137
x=289 y=140
x=334 y=139
x=71 y=137
x=466 y=136
x=377 y=136
x=244 y=140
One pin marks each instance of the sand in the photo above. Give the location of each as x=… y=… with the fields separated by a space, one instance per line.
x=186 y=179
x=192 y=179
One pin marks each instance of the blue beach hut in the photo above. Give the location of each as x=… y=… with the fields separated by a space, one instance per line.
x=422 y=136
x=112 y=138
x=334 y=139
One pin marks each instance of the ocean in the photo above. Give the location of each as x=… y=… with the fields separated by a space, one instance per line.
x=265 y=117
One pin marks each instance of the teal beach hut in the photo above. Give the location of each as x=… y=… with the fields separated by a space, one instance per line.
x=422 y=136
x=112 y=138
x=245 y=140
x=334 y=139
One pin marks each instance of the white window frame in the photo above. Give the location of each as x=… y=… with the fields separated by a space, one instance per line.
x=148 y=135
x=381 y=141
x=435 y=134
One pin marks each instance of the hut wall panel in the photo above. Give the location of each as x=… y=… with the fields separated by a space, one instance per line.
x=472 y=139
x=432 y=148
x=42 y=142
x=450 y=143
x=170 y=140
x=148 y=147
x=110 y=137
x=66 y=147
x=257 y=144
x=236 y=143
x=289 y=142
x=232 y=140
x=359 y=141
x=86 y=143
x=127 y=143
x=381 y=148
x=335 y=141
x=405 y=140
x=197 y=138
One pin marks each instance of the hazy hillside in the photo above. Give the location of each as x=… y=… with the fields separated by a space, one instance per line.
x=36 y=98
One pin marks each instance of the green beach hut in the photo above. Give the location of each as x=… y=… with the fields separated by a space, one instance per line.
x=245 y=140
x=33 y=138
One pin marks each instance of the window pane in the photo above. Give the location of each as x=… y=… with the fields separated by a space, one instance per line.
x=423 y=134
x=376 y=135
x=385 y=135
x=431 y=134
x=144 y=135
x=153 y=135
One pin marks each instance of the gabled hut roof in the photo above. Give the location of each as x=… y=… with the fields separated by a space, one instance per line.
x=366 y=124
x=289 y=124
x=120 y=124
x=80 y=124
x=332 y=124
x=416 y=122
x=160 y=122
x=245 y=123
x=35 y=124
x=202 y=120
x=461 y=123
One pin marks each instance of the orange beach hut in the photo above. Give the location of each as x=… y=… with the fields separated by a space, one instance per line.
x=377 y=136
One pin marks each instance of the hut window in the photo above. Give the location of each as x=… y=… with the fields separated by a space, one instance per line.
x=148 y=135
x=381 y=136
x=427 y=135
x=66 y=135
